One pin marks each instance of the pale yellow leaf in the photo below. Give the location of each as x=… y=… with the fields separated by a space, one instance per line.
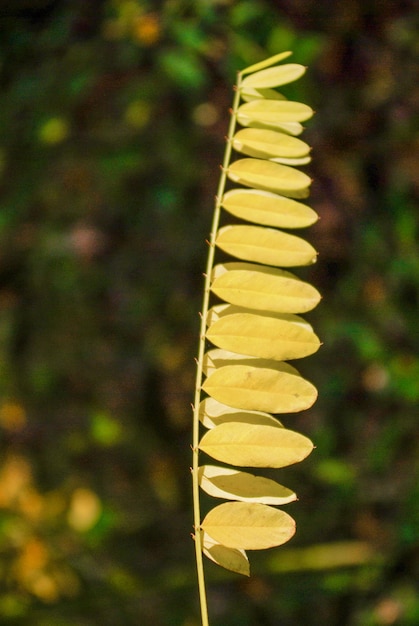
x=273 y=76
x=213 y=413
x=261 y=65
x=273 y=112
x=265 y=245
x=232 y=484
x=274 y=390
x=265 y=143
x=268 y=209
x=214 y=359
x=254 y=445
x=293 y=162
x=248 y=525
x=292 y=128
x=219 y=311
x=262 y=336
x=263 y=288
x=249 y=94
x=270 y=176
x=229 y=558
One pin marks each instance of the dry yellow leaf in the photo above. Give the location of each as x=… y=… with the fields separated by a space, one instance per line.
x=248 y=526
x=268 y=209
x=260 y=244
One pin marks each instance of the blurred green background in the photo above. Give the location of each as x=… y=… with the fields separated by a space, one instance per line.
x=112 y=122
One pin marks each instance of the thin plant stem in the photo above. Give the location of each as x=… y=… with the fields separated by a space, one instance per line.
x=199 y=370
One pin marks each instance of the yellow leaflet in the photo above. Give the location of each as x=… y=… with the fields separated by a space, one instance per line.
x=273 y=76
x=277 y=58
x=268 y=209
x=263 y=288
x=291 y=161
x=254 y=445
x=213 y=413
x=265 y=245
x=232 y=484
x=270 y=176
x=273 y=112
x=264 y=337
x=229 y=558
x=265 y=143
x=219 y=311
x=250 y=94
x=274 y=389
x=248 y=526
x=214 y=359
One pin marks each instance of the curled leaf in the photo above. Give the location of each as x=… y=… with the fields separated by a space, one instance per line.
x=232 y=484
x=214 y=359
x=212 y=413
x=232 y=559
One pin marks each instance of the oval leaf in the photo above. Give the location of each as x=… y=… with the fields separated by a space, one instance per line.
x=273 y=112
x=265 y=245
x=253 y=445
x=248 y=526
x=213 y=413
x=273 y=76
x=264 y=337
x=264 y=143
x=268 y=209
x=270 y=176
x=231 y=484
x=264 y=288
x=229 y=558
x=274 y=390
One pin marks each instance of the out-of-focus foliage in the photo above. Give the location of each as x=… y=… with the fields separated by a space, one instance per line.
x=112 y=122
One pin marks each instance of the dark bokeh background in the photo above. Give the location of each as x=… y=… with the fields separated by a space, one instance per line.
x=113 y=115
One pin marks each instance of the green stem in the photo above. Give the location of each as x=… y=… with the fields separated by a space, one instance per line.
x=199 y=369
